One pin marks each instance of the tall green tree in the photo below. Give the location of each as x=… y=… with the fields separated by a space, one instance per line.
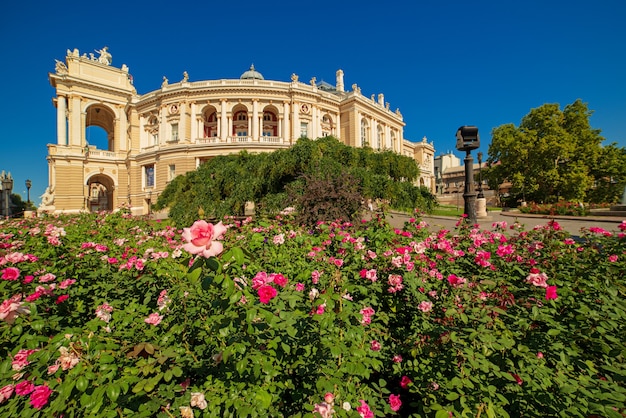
x=552 y=155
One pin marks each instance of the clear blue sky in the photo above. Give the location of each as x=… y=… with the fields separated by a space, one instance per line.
x=442 y=63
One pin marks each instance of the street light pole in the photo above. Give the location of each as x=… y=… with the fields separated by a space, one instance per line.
x=467 y=139
x=28 y=186
x=480 y=176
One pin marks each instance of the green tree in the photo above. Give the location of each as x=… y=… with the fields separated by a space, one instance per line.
x=550 y=156
x=224 y=184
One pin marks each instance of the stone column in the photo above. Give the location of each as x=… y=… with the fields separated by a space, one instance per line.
x=194 y=122
x=182 y=123
x=285 y=134
x=75 y=136
x=295 y=123
x=338 y=127
x=255 y=121
x=61 y=120
x=224 y=123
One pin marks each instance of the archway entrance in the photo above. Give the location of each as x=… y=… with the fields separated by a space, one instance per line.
x=100 y=197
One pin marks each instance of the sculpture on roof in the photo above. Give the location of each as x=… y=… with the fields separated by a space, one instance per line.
x=294 y=77
x=60 y=67
x=185 y=77
x=105 y=57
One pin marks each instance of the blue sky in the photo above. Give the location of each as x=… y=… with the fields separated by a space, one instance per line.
x=442 y=63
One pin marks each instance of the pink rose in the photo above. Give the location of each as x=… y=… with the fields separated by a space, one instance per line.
x=551 y=293
x=153 y=319
x=39 y=397
x=24 y=388
x=6 y=392
x=405 y=382
x=364 y=410
x=299 y=287
x=394 y=402
x=375 y=345
x=266 y=293
x=279 y=279
x=425 y=306
x=201 y=238
x=10 y=273
x=12 y=308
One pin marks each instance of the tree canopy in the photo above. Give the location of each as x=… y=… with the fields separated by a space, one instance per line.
x=556 y=154
x=273 y=181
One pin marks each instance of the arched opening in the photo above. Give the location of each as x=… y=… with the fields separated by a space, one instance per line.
x=100 y=193
x=240 y=122
x=99 y=128
x=327 y=125
x=270 y=122
x=210 y=122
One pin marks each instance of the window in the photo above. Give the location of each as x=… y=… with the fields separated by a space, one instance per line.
x=155 y=138
x=171 y=173
x=174 y=132
x=365 y=141
x=304 y=130
x=241 y=116
x=149 y=175
x=380 y=138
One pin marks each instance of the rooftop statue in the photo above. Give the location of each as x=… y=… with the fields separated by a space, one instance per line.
x=105 y=57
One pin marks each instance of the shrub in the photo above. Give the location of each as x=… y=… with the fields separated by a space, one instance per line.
x=109 y=316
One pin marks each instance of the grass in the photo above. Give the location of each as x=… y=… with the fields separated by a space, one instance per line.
x=452 y=210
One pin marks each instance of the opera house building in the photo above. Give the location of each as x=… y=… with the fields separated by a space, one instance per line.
x=153 y=137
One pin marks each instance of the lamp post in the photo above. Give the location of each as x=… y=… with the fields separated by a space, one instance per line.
x=467 y=139
x=7 y=186
x=480 y=176
x=28 y=186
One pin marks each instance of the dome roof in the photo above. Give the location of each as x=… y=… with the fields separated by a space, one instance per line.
x=251 y=74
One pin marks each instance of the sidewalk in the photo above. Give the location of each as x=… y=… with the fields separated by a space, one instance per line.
x=572 y=224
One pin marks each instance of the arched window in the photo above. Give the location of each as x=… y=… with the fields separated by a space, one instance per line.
x=393 y=140
x=365 y=141
x=380 y=138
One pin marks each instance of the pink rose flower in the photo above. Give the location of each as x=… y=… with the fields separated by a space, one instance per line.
x=279 y=279
x=375 y=345
x=551 y=293
x=10 y=273
x=39 y=397
x=364 y=410
x=202 y=238
x=20 y=360
x=153 y=319
x=299 y=287
x=12 y=308
x=425 y=306
x=405 y=382
x=266 y=293
x=394 y=402
x=24 y=388
x=6 y=392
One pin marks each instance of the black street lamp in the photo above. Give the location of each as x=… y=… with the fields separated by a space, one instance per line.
x=28 y=186
x=467 y=139
x=7 y=186
x=480 y=176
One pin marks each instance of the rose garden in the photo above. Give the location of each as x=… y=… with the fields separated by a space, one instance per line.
x=107 y=315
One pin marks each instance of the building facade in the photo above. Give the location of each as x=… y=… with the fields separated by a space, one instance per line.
x=153 y=137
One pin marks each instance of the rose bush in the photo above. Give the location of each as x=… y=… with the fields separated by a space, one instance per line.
x=106 y=315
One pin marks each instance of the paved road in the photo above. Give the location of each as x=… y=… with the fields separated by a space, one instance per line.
x=571 y=224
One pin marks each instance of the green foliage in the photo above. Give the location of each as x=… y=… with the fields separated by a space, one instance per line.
x=555 y=154
x=456 y=314
x=224 y=184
